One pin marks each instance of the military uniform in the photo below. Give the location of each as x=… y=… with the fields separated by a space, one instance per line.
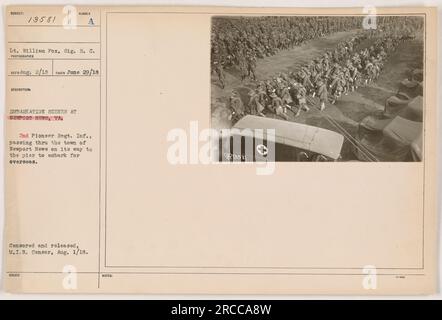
x=236 y=106
x=301 y=95
x=220 y=72
x=277 y=106
x=255 y=105
x=322 y=94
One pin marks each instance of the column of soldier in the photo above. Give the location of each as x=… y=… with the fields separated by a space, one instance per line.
x=328 y=77
x=240 y=42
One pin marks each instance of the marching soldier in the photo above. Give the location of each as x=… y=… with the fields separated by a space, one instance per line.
x=354 y=74
x=294 y=92
x=236 y=107
x=251 y=66
x=243 y=69
x=220 y=73
x=301 y=95
x=255 y=106
x=262 y=96
x=286 y=98
x=277 y=106
x=322 y=94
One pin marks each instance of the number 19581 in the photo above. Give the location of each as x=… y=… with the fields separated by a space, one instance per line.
x=41 y=19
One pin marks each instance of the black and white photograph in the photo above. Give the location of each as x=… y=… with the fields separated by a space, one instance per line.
x=333 y=88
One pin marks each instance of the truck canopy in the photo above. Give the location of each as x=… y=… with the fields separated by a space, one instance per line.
x=298 y=135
